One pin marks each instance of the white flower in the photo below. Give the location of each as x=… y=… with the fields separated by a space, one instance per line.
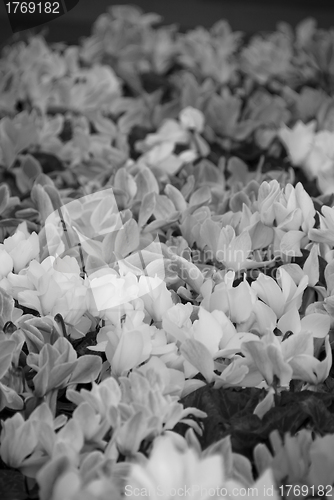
x=52 y=287
x=321 y=155
x=280 y=297
x=169 y=470
x=192 y=119
x=91 y=88
x=110 y=291
x=269 y=192
x=157 y=298
x=22 y=248
x=320 y=161
x=224 y=297
x=174 y=471
x=170 y=132
x=299 y=142
x=294 y=208
x=6 y=262
x=163 y=161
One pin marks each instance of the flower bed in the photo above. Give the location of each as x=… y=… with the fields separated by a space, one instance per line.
x=167 y=263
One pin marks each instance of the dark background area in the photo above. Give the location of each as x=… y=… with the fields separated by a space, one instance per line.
x=249 y=16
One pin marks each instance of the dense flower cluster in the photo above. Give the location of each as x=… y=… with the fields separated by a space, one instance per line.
x=167 y=226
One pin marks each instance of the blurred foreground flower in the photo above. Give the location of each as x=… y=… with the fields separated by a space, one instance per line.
x=302 y=460
x=171 y=472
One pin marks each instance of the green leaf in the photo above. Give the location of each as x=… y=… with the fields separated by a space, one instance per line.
x=200 y=197
x=15 y=222
x=31 y=167
x=176 y=197
x=27 y=213
x=164 y=208
x=221 y=406
x=54 y=196
x=12 y=485
x=49 y=162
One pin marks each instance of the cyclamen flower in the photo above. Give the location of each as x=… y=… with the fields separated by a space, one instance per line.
x=18 y=250
x=27 y=445
x=169 y=132
x=268 y=193
x=266 y=58
x=210 y=53
x=289 y=359
x=159 y=147
x=192 y=119
x=211 y=336
x=280 y=297
x=155 y=295
x=174 y=380
x=127 y=345
x=290 y=456
x=72 y=486
x=227 y=248
x=299 y=142
x=174 y=132
x=164 y=162
x=133 y=348
x=171 y=472
x=320 y=159
x=19 y=439
x=57 y=366
x=16 y=135
x=176 y=321
x=149 y=412
x=294 y=208
x=312 y=151
x=226 y=298
x=316 y=323
x=169 y=469
x=325 y=233
x=101 y=397
x=133 y=342
x=51 y=287
x=218 y=334
x=109 y=290
x=298 y=459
